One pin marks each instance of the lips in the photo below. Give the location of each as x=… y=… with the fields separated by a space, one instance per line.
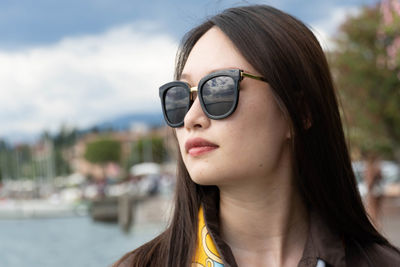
x=198 y=146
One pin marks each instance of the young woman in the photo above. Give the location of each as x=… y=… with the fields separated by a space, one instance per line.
x=264 y=176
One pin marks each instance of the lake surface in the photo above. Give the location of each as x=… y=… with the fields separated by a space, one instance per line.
x=68 y=242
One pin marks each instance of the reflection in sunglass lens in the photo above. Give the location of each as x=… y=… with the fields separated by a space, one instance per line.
x=176 y=104
x=218 y=95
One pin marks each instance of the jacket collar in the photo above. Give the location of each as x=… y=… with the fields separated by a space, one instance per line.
x=321 y=242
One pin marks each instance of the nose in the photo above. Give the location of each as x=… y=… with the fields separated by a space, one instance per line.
x=196 y=118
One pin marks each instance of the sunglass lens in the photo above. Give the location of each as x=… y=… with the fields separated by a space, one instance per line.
x=176 y=104
x=219 y=95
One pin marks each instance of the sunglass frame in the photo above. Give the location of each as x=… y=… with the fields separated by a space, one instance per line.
x=236 y=74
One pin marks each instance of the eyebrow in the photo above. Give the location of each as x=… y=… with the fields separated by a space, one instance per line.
x=185 y=76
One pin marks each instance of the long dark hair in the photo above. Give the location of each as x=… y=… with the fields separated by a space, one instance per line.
x=284 y=51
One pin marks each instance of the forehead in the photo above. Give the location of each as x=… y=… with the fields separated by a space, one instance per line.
x=213 y=51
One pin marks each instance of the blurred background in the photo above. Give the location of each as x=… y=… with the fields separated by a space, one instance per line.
x=86 y=163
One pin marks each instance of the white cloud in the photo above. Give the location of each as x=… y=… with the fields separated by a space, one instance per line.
x=326 y=28
x=83 y=80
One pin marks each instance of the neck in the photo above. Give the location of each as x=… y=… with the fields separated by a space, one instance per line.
x=264 y=223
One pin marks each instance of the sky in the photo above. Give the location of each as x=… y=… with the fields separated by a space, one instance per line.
x=79 y=62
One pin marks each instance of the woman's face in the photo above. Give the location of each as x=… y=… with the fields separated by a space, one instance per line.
x=252 y=142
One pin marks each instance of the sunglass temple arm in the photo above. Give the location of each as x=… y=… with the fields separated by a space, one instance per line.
x=244 y=74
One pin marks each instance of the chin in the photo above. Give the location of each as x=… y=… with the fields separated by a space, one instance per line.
x=204 y=180
x=209 y=174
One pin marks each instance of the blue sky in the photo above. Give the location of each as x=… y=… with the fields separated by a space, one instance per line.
x=27 y=22
x=78 y=62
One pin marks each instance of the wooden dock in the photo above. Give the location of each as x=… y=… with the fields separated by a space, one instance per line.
x=127 y=209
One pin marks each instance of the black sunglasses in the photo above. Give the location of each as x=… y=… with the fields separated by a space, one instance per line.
x=218 y=93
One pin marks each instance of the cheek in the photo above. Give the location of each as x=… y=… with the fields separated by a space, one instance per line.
x=260 y=134
x=252 y=141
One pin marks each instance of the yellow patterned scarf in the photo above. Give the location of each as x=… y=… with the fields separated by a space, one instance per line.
x=206 y=254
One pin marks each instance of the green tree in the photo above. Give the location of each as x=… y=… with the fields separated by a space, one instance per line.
x=3 y=159
x=63 y=141
x=158 y=149
x=145 y=149
x=103 y=151
x=24 y=158
x=369 y=89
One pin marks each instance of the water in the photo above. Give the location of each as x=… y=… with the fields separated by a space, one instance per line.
x=67 y=242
